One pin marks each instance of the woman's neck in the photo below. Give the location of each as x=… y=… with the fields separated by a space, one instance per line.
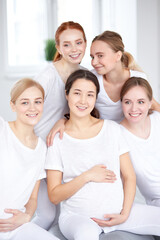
x=25 y=133
x=83 y=128
x=118 y=76
x=141 y=129
x=65 y=68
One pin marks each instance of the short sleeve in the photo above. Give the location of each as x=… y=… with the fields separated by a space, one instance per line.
x=123 y=146
x=54 y=158
x=2 y=125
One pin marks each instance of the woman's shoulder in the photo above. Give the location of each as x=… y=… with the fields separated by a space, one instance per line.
x=155 y=116
x=134 y=73
x=48 y=72
x=2 y=124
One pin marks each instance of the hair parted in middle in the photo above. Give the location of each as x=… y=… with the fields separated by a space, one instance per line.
x=87 y=75
x=64 y=26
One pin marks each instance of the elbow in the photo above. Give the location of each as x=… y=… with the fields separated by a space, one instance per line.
x=53 y=198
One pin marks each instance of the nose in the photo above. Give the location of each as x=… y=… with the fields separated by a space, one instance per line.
x=83 y=99
x=74 y=47
x=32 y=106
x=134 y=107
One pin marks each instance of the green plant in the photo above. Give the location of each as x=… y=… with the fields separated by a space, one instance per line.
x=50 y=49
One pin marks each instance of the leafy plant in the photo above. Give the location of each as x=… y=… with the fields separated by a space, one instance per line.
x=50 y=49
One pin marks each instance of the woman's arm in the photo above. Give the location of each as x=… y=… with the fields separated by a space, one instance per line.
x=129 y=187
x=58 y=192
x=59 y=126
x=19 y=218
x=155 y=105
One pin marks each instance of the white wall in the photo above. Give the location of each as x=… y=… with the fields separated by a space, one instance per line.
x=146 y=43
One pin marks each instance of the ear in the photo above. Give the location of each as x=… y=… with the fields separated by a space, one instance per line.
x=66 y=96
x=58 y=49
x=119 y=55
x=12 y=105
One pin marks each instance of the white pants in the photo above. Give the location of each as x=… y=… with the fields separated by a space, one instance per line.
x=46 y=211
x=143 y=219
x=28 y=231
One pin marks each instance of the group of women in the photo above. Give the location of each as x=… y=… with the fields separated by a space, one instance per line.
x=108 y=139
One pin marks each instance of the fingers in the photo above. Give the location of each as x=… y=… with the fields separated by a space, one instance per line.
x=13 y=211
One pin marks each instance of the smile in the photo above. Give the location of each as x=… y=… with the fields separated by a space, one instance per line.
x=134 y=114
x=74 y=56
x=81 y=108
x=32 y=115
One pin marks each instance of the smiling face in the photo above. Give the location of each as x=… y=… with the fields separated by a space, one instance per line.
x=29 y=106
x=72 y=46
x=81 y=98
x=104 y=59
x=136 y=104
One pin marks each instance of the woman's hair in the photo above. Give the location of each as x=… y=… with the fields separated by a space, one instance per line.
x=137 y=81
x=64 y=26
x=114 y=40
x=87 y=75
x=21 y=85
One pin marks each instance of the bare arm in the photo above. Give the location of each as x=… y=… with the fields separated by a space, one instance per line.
x=155 y=105
x=129 y=187
x=19 y=218
x=59 y=126
x=58 y=192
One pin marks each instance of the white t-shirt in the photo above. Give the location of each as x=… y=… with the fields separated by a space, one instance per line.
x=20 y=168
x=55 y=104
x=145 y=156
x=74 y=156
x=106 y=107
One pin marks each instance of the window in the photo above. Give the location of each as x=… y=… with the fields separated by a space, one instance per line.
x=26 y=25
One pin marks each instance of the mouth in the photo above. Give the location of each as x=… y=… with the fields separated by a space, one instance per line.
x=134 y=114
x=75 y=56
x=81 y=108
x=32 y=115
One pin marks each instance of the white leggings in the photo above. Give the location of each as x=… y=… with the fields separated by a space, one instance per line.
x=46 y=211
x=28 y=231
x=143 y=219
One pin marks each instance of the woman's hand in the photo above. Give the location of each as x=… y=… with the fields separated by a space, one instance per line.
x=58 y=127
x=18 y=219
x=111 y=220
x=100 y=173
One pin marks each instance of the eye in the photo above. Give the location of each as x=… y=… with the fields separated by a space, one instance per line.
x=92 y=57
x=66 y=45
x=77 y=93
x=38 y=102
x=90 y=95
x=79 y=43
x=140 y=102
x=100 y=56
x=127 y=102
x=24 y=103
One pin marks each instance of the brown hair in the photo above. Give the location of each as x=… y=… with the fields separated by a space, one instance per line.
x=64 y=26
x=137 y=81
x=114 y=40
x=87 y=75
x=21 y=85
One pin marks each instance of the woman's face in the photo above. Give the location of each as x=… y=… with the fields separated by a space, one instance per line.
x=136 y=104
x=104 y=59
x=81 y=98
x=29 y=106
x=72 y=46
